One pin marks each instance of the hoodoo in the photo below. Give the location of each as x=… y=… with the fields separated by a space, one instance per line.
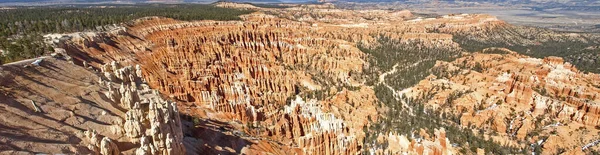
x=305 y=79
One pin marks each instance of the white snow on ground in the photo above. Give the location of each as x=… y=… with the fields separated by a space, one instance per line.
x=504 y=77
x=594 y=143
x=560 y=72
x=416 y=20
x=553 y=125
x=531 y=60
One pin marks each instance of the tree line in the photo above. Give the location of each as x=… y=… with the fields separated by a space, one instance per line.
x=581 y=50
x=22 y=28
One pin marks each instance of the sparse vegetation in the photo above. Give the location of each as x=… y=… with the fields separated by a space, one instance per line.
x=414 y=61
x=414 y=64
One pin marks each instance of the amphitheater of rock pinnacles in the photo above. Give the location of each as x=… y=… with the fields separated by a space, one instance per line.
x=138 y=79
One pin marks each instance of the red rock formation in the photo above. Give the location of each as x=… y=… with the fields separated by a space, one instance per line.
x=246 y=71
x=518 y=95
x=239 y=69
x=437 y=145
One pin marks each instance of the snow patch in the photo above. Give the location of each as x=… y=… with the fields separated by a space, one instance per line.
x=324 y=121
x=540 y=102
x=590 y=145
x=416 y=20
x=531 y=61
x=504 y=77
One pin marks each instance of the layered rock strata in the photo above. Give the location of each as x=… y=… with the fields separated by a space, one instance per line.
x=250 y=72
x=244 y=72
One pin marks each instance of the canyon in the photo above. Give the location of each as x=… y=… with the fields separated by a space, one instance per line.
x=302 y=79
x=516 y=100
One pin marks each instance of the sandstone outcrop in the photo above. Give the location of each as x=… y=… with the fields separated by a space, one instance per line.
x=399 y=144
x=517 y=97
x=238 y=70
x=251 y=70
x=85 y=113
x=293 y=79
x=165 y=130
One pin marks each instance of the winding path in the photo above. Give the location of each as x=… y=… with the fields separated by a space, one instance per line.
x=398 y=94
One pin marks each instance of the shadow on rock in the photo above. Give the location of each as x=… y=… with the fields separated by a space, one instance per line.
x=213 y=137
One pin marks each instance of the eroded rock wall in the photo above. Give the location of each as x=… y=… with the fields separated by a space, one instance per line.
x=108 y=112
x=247 y=72
x=251 y=72
x=520 y=98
